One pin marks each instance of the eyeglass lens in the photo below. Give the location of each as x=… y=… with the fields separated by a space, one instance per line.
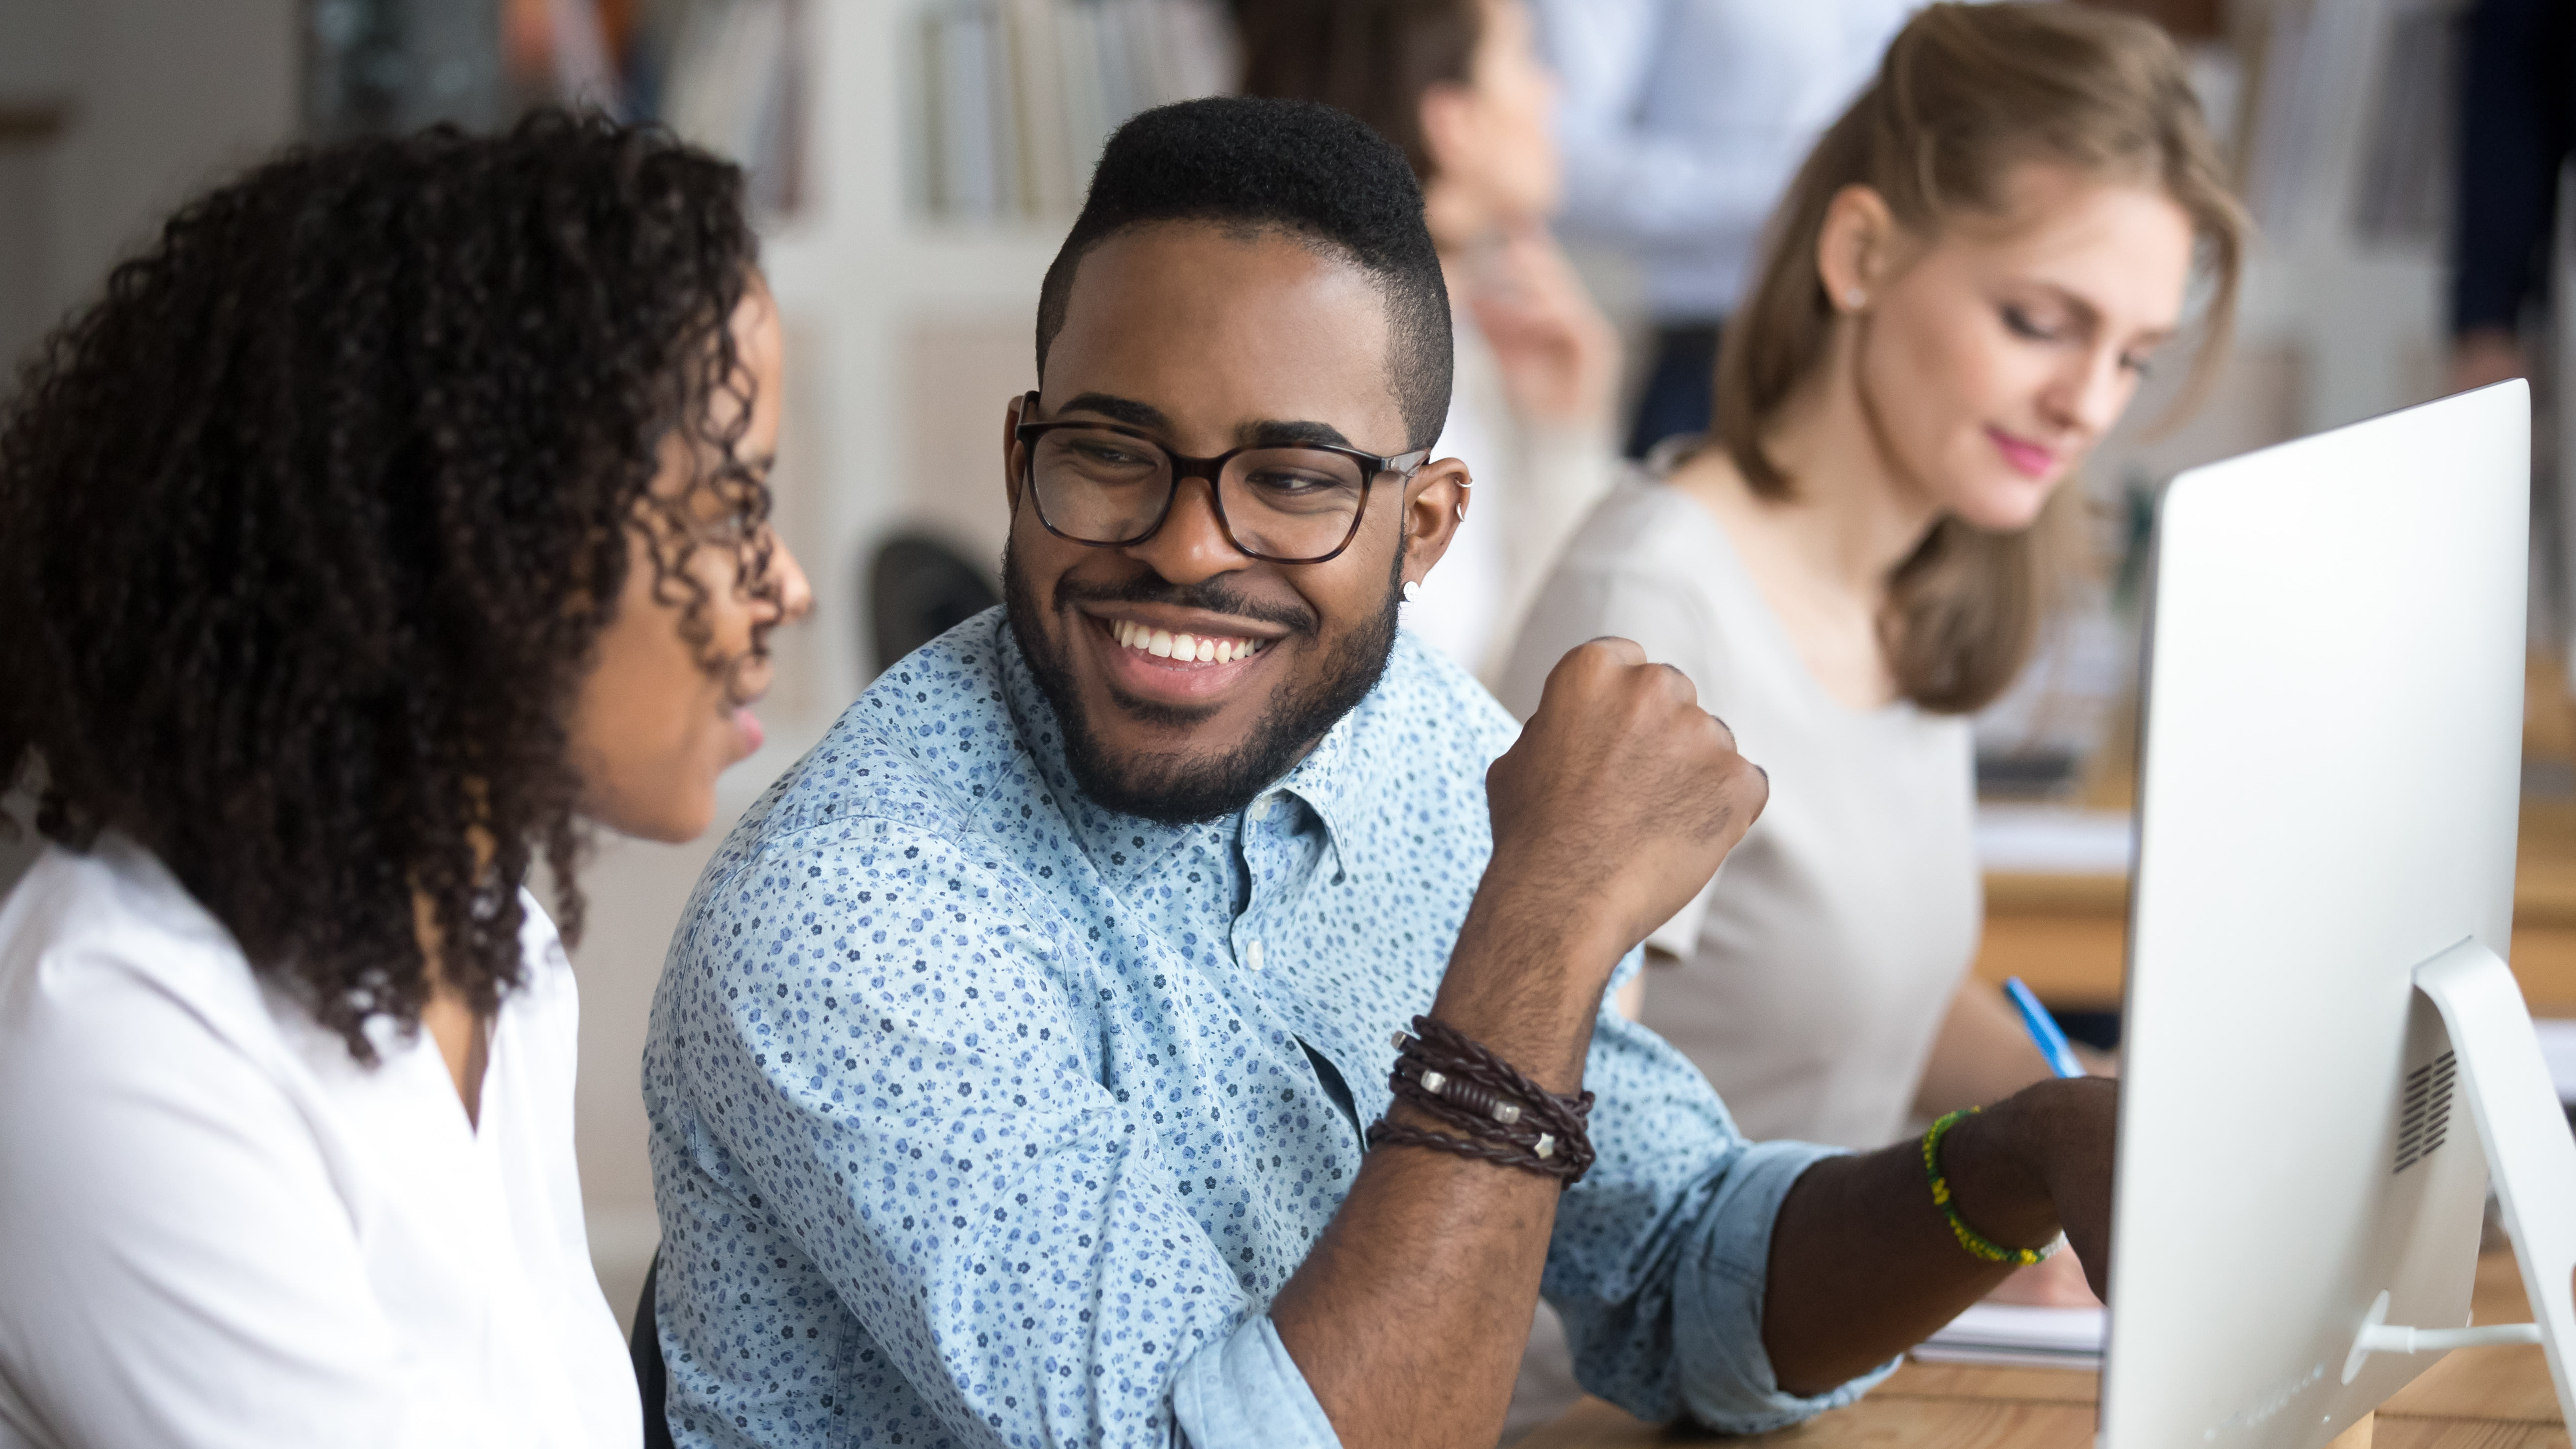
x=1282 y=503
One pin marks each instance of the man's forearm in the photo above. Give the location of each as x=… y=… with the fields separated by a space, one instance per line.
x=1864 y=1266
x=1409 y=1317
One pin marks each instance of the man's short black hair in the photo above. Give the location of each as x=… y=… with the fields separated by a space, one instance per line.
x=1309 y=170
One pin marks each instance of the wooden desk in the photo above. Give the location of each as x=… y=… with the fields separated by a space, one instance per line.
x=2493 y=1398
x=2066 y=935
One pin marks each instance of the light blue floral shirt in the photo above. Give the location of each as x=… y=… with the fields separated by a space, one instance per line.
x=982 y=1115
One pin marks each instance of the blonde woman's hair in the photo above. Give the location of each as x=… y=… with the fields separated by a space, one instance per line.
x=1966 y=94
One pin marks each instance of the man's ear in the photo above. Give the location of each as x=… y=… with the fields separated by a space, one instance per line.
x=1436 y=502
x=1011 y=471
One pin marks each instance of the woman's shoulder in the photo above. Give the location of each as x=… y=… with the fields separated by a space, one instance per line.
x=1643 y=524
x=128 y=1019
x=1650 y=547
x=1648 y=535
x=92 y=937
x=112 y=974
x=1651 y=565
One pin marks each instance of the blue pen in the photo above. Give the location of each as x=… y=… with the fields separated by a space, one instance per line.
x=2043 y=1030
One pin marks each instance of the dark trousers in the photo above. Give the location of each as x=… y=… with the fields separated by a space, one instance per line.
x=1681 y=388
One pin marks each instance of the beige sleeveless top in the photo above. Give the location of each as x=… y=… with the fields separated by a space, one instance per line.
x=1816 y=968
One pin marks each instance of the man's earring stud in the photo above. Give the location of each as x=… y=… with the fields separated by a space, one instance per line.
x=1412 y=590
x=1855 y=298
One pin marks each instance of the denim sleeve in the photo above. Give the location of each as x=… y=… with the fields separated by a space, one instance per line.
x=1660 y=1257
x=1245 y=1392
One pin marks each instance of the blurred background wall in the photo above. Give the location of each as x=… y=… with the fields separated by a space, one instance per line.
x=111 y=112
x=916 y=161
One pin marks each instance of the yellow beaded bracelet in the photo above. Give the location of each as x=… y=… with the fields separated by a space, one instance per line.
x=1978 y=1244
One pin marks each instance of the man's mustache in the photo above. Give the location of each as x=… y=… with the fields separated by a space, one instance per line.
x=1214 y=595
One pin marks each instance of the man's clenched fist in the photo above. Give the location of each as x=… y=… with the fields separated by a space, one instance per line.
x=1621 y=796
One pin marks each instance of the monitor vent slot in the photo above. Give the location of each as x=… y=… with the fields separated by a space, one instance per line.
x=2425 y=1120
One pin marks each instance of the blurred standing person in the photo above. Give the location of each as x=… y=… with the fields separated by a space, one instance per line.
x=2517 y=126
x=1682 y=122
x=1460 y=87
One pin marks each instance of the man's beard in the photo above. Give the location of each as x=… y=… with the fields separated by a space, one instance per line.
x=1175 y=789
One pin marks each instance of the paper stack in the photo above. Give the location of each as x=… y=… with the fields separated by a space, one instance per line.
x=2015 y=1335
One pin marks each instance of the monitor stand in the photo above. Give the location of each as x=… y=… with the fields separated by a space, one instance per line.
x=2531 y=1157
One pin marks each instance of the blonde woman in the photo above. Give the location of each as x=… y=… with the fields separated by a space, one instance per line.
x=1959 y=296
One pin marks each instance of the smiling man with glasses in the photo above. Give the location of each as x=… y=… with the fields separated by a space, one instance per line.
x=1173 y=1010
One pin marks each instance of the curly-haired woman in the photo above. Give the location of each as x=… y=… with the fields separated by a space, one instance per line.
x=398 y=513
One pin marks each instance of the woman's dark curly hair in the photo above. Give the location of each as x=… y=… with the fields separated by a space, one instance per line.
x=309 y=525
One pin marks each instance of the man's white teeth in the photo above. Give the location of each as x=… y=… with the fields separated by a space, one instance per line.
x=1164 y=644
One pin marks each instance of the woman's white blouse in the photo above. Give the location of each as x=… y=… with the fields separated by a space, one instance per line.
x=216 y=1228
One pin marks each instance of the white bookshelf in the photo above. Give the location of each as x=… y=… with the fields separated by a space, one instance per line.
x=858 y=272
x=907 y=336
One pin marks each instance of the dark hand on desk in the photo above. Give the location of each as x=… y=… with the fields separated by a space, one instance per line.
x=1613 y=808
x=1864 y=1265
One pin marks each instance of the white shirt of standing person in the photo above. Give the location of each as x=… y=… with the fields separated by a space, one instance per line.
x=1683 y=120
x=1535 y=480
x=1462 y=602
x=249 y=1239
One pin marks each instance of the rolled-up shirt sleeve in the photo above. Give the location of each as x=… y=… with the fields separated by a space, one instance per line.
x=1661 y=1256
x=891 y=1099
x=1247 y=1393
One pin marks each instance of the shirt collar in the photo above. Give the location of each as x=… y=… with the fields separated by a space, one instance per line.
x=1124 y=846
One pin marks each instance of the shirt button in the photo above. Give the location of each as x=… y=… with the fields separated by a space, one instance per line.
x=1261 y=811
x=1256 y=953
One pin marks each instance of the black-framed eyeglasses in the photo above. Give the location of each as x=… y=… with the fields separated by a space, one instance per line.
x=1111 y=487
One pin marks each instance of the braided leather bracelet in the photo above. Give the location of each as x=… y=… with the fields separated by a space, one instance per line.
x=1475 y=1107
x=1506 y=1118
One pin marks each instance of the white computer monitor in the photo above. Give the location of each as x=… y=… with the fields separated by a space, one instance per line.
x=2329 y=786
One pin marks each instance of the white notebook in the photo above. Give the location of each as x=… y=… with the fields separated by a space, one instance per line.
x=2558 y=1044
x=2016 y=1335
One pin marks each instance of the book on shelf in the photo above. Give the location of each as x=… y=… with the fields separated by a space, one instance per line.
x=964 y=151
x=2010 y=1335
x=2406 y=179
x=734 y=87
x=1018 y=96
x=2353 y=120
